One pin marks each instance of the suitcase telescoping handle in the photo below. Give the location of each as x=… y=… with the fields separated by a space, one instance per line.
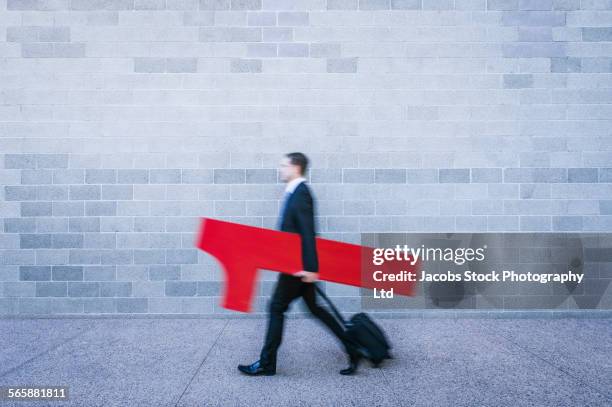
x=331 y=304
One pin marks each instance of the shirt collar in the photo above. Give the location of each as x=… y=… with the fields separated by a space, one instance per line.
x=292 y=185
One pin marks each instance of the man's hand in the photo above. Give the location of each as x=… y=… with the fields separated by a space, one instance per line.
x=307 y=276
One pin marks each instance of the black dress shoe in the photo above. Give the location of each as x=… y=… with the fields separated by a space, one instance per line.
x=255 y=369
x=352 y=367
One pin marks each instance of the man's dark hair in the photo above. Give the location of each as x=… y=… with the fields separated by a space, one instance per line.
x=299 y=159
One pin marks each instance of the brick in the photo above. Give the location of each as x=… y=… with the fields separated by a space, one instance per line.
x=149 y=256
x=352 y=208
x=36 y=177
x=533 y=18
x=502 y=4
x=246 y=4
x=362 y=176
x=582 y=175
x=230 y=34
x=181 y=65
x=535 y=175
x=277 y=34
x=19 y=193
x=241 y=65
x=68 y=176
x=199 y=18
x=19 y=289
x=374 y=4
x=325 y=175
x=406 y=4
x=533 y=50
x=181 y=288
x=35 y=273
x=391 y=176
x=265 y=18
x=52 y=193
x=567 y=223
x=342 y=4
x=67 y=273
x=132 y=305
x=135 y=176
x=20 y=161
x=165 y=176
x=99 y=305
x=99 y=241
x=51 y=289
x=36 y=208
x=261 y=176
x=100 y=176
x=149 y=65
x=67 y=240
x=488 y=175
x=102 y=4
x=597 y=34
x=565 y=65
x=229 y=176
x=52 y=160
x=518 y=81
x=67 y=208
x=208 y=288
x=117 y=192
x=293 y=18
x=19 y=225
x=35 y=241
x=84 y=224
x=214 y=4
x=342 y=65
x=164 y=272
x=535 y=223
x=261 y=50
x=116 y=289
x=293 y=50
x=181 y=256
x=116 y=257
x=50 y=225
x=422 y=176
x=454 y=175
x=85 y=192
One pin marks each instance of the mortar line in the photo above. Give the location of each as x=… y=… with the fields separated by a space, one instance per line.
x=202 y=363
x=394 y=396
x=70 y=339
x=559 y=368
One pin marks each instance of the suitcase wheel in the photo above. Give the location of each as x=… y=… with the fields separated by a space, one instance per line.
x=375 y=364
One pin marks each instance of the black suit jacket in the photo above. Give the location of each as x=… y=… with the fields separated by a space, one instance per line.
x=298 y=217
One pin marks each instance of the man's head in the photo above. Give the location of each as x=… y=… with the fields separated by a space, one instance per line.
x=293 y=165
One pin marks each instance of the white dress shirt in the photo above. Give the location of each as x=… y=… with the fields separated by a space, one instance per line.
x=292 y=185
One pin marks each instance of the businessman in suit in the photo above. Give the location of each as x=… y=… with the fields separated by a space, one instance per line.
x=297 y=215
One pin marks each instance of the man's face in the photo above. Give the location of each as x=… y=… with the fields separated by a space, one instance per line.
x=287 y=170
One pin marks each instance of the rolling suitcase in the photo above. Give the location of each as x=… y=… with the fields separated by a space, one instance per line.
x=363 y=331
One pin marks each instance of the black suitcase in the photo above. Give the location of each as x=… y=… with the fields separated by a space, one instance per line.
x=363 y=331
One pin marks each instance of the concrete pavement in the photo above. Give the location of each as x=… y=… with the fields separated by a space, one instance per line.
x=192 y=362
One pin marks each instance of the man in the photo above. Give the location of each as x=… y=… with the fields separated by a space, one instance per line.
x=297 y=216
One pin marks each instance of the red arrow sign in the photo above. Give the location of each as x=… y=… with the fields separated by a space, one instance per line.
x=242 y=250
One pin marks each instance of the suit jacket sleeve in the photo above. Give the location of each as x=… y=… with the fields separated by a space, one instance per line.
x=306 y=227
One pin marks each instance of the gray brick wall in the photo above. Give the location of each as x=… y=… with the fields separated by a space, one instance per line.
x=124 y=121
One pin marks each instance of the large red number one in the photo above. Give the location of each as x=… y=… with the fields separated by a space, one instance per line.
x=242 y=250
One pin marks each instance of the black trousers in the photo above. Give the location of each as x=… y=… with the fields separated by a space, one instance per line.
x=287 y=289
